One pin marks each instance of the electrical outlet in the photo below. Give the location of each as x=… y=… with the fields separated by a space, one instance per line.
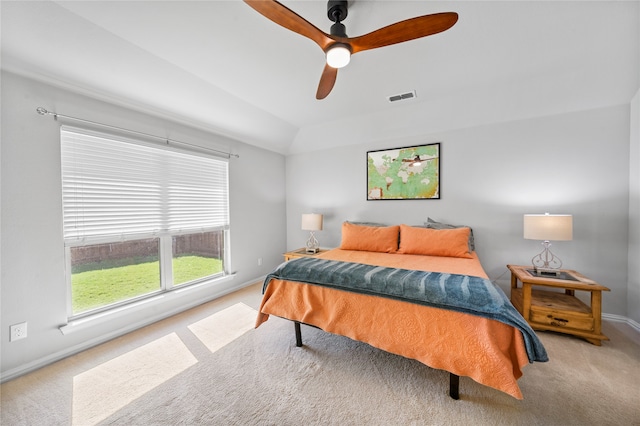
x=259 y=261
x=18 y=331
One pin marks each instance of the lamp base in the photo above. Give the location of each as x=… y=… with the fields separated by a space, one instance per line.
x=546 y=261
x=312 y=244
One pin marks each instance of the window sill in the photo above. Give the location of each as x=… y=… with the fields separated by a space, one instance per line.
x=120 y=311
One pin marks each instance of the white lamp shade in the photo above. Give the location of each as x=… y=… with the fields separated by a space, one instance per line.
x=548 y=227
x=338 y=56
x=312 y=222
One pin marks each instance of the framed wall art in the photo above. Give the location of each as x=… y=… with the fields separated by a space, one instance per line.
x=409 y=173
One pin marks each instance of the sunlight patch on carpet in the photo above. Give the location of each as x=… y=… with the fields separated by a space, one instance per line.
x=225 y=326
x=103 y=390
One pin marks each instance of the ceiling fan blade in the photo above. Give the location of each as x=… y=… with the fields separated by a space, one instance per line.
x=290 y=20
x=327 y=81
x=406 y=30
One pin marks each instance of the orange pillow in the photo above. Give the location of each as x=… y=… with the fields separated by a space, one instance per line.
x=435 y=242
x=382 y=239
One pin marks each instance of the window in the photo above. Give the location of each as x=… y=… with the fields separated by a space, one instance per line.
x=139 y=219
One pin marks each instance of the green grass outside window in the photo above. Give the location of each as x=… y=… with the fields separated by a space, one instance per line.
x=100 y=284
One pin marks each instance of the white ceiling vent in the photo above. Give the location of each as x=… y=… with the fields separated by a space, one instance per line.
x=403 y=96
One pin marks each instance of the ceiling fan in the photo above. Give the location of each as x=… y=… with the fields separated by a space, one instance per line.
x=337 y=46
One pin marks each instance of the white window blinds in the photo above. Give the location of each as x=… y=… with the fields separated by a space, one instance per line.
x=115 y=187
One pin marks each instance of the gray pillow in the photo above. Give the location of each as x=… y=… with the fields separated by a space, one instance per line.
x=430 y=223
x=367 y=223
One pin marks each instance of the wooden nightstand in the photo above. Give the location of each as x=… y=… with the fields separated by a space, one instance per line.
x=301 y=253
x=555 y=311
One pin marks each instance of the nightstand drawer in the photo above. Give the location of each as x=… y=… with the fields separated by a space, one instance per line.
x=561 y=319
x=560 y=310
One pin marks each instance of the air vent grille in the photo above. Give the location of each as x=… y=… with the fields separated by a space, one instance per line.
x=403 y=96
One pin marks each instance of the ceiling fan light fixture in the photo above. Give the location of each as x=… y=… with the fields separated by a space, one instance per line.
x=338 y=55
x=337 y=46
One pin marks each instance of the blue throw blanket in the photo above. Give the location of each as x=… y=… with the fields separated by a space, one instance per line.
x=462 y=293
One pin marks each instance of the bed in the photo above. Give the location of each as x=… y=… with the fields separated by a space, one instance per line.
x=396 y=288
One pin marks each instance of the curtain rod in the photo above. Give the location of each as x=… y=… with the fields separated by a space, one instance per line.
x=43 y=111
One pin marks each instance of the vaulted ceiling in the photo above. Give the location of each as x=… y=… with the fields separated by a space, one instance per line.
x=221 y=66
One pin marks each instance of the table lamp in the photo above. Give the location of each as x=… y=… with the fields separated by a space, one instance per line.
x=548 y=227
x=312 y=222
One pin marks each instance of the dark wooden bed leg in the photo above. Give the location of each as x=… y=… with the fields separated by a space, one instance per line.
x=454 y=386
x=296 y=325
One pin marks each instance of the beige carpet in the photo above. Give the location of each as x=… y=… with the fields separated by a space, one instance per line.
x=224 y=327
x=105 y=389
x=259 y=377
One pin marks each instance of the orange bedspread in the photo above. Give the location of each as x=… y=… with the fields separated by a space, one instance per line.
x=490 y=352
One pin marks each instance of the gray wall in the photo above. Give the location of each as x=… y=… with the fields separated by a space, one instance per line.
x=633 y=301
x=490 y=176
x=33 y=287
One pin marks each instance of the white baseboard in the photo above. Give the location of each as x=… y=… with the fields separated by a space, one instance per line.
x=620 y=318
